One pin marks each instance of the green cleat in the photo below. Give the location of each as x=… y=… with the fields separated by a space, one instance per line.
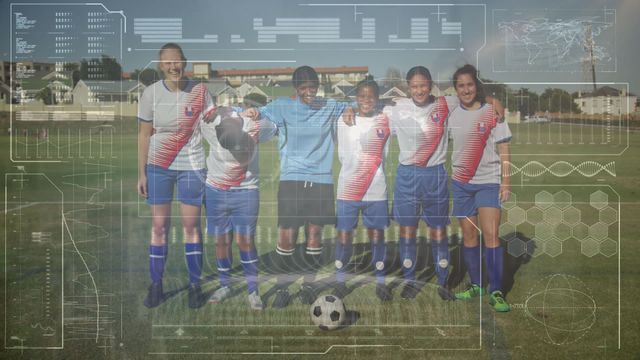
x=496 y=299
x=471 y=292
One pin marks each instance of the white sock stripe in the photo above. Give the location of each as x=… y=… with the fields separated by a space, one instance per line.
x=284 y=252
x=157 y=256
x=314 y=248
x=249 y=261
x=224 y=269
x=193 y=253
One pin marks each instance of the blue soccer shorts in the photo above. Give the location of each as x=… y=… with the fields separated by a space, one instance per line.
x=468 y=198
x=421 y=192
x=231 y=210
x=375 y=214
x=160 y=184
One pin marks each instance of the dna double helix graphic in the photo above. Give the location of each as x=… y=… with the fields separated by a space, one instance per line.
x=563 y=168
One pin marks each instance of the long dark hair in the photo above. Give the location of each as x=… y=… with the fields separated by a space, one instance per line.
x=473 y=72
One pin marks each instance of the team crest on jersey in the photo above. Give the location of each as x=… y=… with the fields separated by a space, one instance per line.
x=435 y=117
x=380 y=133
x=482 y=128
x=188 y=111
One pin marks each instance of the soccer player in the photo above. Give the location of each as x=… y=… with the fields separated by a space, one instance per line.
x=362 y=185
x=306 y=126
x=479 y=182
x=232 y=196
x=420 y=190
x=170 y=153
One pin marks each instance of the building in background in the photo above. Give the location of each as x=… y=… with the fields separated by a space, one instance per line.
x=607 y=100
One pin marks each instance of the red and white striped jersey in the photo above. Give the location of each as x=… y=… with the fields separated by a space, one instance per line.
x=421 y=130
x=224 y=170
x=362 y=149
x=475 y=134
x=177 y=142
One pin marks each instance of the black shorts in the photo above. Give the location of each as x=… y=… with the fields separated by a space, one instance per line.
x=302 y=202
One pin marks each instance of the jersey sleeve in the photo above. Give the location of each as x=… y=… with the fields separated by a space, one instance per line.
x=272 y=112
x=267 y=130
x=145 y=105
x=209 y=130
x=389 y=112
x=342 y=139
x=502 y=133
x=452 y=102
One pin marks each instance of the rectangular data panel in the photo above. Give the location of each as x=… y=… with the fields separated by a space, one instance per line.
x=33 y=256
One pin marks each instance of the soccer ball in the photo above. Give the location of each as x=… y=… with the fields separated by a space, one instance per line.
x=327 y=312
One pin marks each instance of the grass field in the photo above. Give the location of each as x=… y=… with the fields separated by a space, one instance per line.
x=75 y=262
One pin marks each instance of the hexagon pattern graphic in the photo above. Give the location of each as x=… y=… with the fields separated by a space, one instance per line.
x=589 y=247
x=543 y=199
x=562 y=199
x=608 y=215
x=553 y=247
x=599 y=199
x=571 y=215
x=553 y=218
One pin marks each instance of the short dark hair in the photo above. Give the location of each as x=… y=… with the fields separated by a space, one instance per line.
x=174 y=46
x=370 y=83
x=473 y=72
x=419 y=70
x=304 y=74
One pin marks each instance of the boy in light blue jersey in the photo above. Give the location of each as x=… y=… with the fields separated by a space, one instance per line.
x=306 y=127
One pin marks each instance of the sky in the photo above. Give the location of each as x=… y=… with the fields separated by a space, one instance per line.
x=493 y=36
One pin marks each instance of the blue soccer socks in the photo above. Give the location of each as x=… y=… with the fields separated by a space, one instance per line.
x=157 y=260
x=472 y=261
x=440 y=253
x=378 y=252
x=494 y=261
x=249 y=260
x=193 y=254
x=343 y=255
x=408 y=256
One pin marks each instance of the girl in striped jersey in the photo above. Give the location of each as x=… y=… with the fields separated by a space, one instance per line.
x=170 y=154
x=362 y=186
x=479 y=182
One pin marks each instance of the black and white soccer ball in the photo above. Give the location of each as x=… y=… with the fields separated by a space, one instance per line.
x=328 y=312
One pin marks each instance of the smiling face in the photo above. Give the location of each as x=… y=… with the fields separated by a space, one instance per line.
x=172 y=65
x=466 y=90
x=367 y=100
x=307 y=92
x=419 y=89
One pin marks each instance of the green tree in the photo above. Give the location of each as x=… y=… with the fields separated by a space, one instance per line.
x=103 y=68
x=527 y=101
x=146 y=76
x=501 y=92
x=558 y=101
x=46 y=96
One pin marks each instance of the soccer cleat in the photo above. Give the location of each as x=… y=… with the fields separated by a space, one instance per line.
x=195 y=296
x=282 y=298
x=471 y=292
x=383 y=293
x=410 y=291
x=255 y=302
x=496 y=299
x=220 y=295
x=307 y=294
x=340 y=290
x=154 y=295
x=446 y=294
